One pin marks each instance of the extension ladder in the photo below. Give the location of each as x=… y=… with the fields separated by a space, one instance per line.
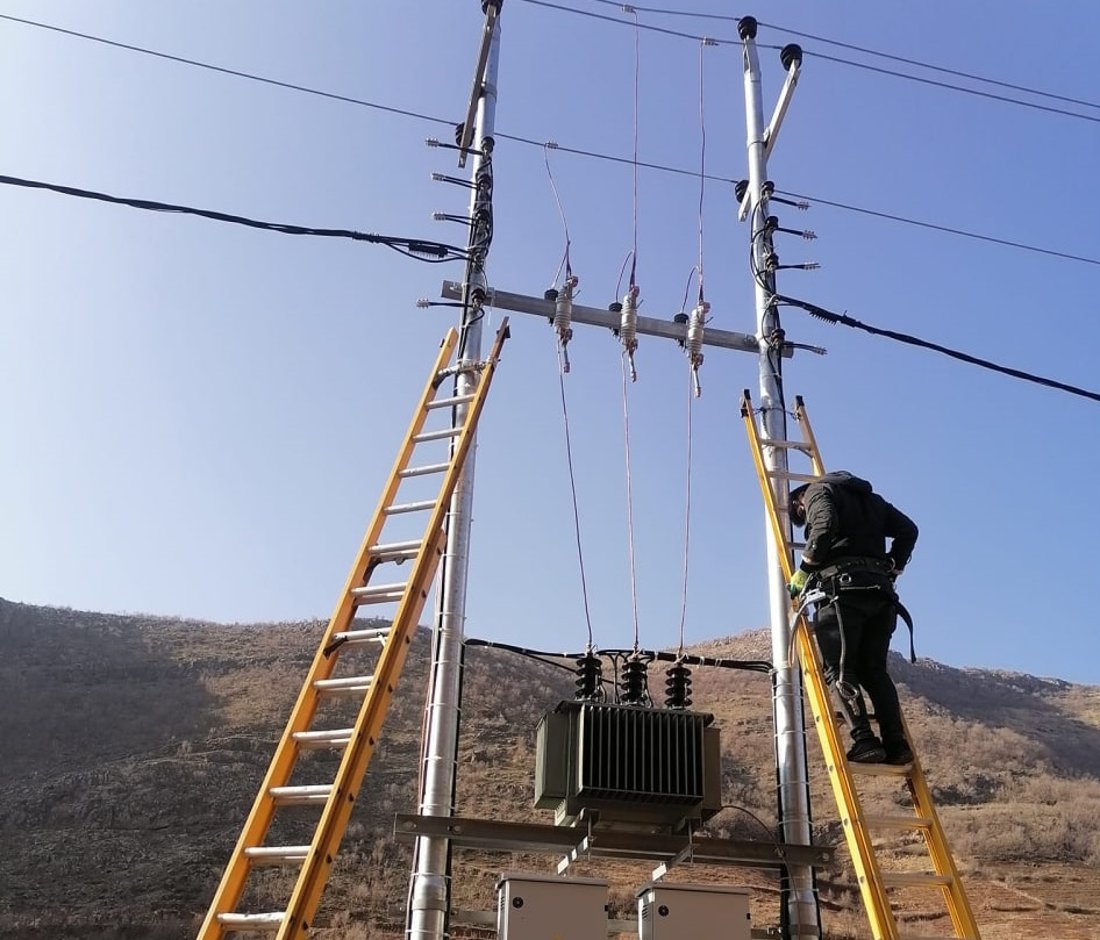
x=858 y=826
x=374 y=692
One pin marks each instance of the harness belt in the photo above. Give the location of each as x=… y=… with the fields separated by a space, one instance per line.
x=836 y=578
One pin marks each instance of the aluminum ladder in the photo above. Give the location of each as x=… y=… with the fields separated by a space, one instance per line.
x=859 y=828
x=373 y=692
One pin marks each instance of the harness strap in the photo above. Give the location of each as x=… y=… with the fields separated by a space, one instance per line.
x=908 y=618
x=833 y=595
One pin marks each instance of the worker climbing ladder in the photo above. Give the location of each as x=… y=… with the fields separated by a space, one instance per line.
x=859 y=828
x=375 y=691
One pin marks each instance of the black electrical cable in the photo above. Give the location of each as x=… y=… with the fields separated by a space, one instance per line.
x=749 y=665
x=830 y=317
x=420 y=249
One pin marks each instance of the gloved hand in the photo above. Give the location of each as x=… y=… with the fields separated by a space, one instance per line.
x=798 y=583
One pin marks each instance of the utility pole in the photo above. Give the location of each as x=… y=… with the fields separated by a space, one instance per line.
x=429 y=890
x=800 y=914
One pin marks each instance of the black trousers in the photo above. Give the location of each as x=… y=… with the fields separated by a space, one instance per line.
x=869 y=619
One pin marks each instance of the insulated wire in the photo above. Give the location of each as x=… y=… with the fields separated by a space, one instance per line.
x=573 y=492
x=637 y=73
x=629 y=503
x=622 y=271
x=564 y=223
x=702 y=166
x=687 y=511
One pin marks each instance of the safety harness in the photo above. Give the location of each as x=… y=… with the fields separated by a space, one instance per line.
x=835 y=579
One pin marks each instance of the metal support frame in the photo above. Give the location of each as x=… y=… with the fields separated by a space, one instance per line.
x=594 y=316
x=429 y=889
x=491 y=835
x=801 y=914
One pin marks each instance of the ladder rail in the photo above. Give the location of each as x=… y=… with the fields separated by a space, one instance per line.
x=337 y=812
x=935 y=840
x=857 y=826
x=230 y=889
x=222 y=916
x=859 y=842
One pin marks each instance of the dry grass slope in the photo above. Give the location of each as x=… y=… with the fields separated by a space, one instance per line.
x=133 y=747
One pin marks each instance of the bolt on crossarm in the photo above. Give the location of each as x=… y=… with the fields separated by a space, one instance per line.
x=800 y=915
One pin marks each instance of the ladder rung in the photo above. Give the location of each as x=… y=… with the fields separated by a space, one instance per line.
x=898 y=822
x=347 y=685
x=424 y=470
x=277 y=854
x=270 y=922
x=301 y=796
x=789 y=445
x=437 y=435
x=796 y=546
x=352 y=637
x=794 y=477
x=447 y=402
x=390 y=598
x=418 y=506
x=369 y=590
x=921 y=936
x=336 y=737
x=394 y=550
x=914 y=879
x=880 y=770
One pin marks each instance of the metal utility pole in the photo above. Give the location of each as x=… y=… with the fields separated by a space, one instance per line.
x=800 y=914
x=429 y=890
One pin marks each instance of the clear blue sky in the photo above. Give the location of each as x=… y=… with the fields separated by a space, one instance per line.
x=197 y=418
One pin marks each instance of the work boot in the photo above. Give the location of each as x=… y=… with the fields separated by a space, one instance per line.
x=867 y=750
x=898 y=752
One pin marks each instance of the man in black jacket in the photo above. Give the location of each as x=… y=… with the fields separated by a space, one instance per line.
x=846 y=556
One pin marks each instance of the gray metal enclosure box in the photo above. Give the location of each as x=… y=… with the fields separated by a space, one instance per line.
x=543 y=907
x=693 y=912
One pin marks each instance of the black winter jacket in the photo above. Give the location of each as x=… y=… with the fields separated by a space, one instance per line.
x=845 y=518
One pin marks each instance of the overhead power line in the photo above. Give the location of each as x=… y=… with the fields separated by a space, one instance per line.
x=541 y=144
x=722 y=41
x=958 y=73
x=420 y=249
x=947 y=229
x=237 y=73
x=842 y=319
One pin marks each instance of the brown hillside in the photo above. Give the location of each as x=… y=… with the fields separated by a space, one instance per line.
x=133 y=746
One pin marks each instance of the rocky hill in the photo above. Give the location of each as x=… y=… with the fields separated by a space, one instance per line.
x=133 y=746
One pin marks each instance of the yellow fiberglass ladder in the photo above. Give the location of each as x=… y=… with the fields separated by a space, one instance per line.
x=371 y=694
x=859 y=828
